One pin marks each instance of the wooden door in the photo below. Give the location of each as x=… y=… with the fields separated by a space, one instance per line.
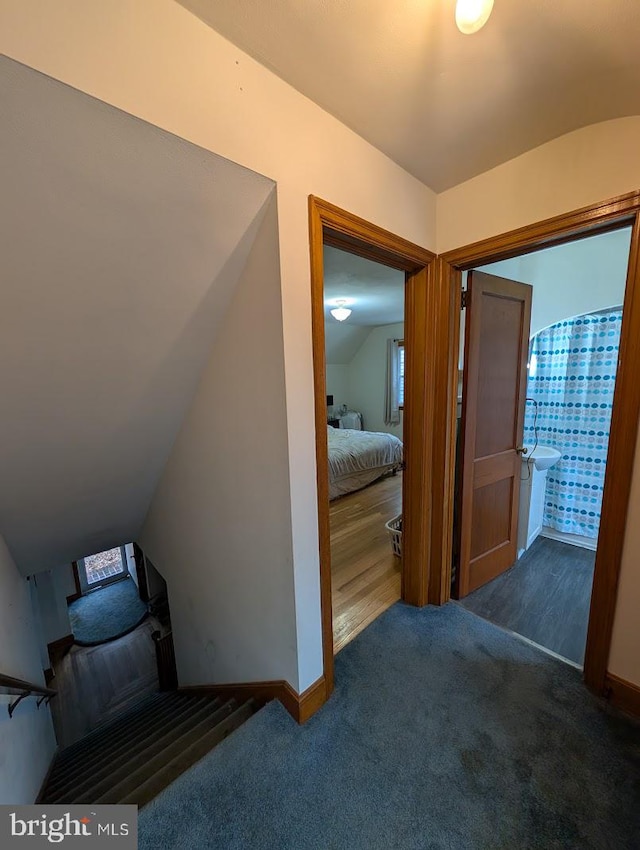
x=498 y=313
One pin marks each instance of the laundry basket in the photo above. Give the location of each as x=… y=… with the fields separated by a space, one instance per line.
x=394 y=527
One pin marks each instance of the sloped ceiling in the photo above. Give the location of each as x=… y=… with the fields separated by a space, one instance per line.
x=120 y=247
x=446 y=106
x=375 y=294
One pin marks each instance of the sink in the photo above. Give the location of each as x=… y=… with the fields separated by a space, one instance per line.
x=543 y=457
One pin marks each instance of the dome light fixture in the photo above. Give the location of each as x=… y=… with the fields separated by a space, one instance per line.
x=472 y=15
x=340 y=312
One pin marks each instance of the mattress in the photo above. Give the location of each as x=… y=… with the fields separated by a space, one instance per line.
x=356 y=458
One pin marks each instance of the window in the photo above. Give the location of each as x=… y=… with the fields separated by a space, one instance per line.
x=401 y=374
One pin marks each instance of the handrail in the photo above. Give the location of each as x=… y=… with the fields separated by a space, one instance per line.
x=9 y=685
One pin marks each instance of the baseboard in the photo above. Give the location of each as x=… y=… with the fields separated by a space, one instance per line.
x=571 y=539
x=59 y=647
x=624 y=695
x=300 y=706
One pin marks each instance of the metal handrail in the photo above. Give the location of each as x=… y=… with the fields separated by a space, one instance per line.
x=23 y=689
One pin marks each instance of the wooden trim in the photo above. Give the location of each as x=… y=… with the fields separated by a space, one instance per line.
x=60 y=647
x=586 y=221
x=624 y=695
x=604 y=216
x=76 y=581
x=300 y=706
x=331 y=225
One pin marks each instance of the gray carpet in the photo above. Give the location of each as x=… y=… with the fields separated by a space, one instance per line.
x=444 y=732
x=106 y=614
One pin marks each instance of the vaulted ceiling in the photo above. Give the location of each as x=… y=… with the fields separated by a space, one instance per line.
x=447 y=106
x=121 y=246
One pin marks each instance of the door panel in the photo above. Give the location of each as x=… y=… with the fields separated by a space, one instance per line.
x=494 y=388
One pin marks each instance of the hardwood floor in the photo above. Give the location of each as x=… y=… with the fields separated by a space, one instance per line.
x=545 y=597
x=365 y=575
x=95 y=683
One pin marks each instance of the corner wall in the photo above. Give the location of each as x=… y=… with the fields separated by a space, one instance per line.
x=367 y=378
x=219 y=525
x=27 y=740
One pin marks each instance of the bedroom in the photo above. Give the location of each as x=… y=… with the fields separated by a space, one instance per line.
x=364 y=353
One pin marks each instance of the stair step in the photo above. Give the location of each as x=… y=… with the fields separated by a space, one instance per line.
x=135 y=779
x=107 y=766
x=170 y=771
x=107 y=727
x=119 y=735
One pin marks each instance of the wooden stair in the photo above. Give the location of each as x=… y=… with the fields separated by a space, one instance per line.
x=132 y=758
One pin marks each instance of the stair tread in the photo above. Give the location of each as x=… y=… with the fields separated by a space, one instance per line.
x=189 y=756
x=114 y=736
x=110 y=759
x=133 y=757
x=108 y=771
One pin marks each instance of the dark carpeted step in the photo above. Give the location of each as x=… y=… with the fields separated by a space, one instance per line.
x=108 y=765
x=108 y=727
x=145 y=772
x=188 y=756
x=118 y=736
x=121 y=736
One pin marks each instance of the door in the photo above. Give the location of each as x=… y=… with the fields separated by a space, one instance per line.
x=493 y=400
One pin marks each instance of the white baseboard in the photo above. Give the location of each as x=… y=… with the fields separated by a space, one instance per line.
x=572 y=539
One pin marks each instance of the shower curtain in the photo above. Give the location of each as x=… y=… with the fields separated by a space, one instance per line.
x=572 y=370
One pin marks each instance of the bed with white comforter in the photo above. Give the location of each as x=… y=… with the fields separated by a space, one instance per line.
x=356 y=458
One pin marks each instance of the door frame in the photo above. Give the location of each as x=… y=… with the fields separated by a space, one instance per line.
x=611 y=214
x=426 y=348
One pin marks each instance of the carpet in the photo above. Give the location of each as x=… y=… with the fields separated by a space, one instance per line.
x=106 y=614
x=444 y=732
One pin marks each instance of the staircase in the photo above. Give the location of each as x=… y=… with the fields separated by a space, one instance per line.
x=132 y=758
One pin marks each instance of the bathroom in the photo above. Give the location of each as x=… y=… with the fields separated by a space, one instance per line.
x=576 y=292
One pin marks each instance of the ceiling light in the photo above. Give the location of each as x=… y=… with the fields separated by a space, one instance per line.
x=472 y=15
x=340 y=312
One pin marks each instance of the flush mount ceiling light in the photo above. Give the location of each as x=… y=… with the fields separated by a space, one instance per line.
x=340 y=312
x=472 y=15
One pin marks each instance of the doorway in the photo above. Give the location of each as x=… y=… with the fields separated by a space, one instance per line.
x=364 y=366
x=599 y=218
x=331 y=226
x=570 y=349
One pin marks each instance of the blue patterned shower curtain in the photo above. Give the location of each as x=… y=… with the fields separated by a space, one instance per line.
x=572 y=370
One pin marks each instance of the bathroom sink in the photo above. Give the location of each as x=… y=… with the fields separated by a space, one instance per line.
x=543 y=457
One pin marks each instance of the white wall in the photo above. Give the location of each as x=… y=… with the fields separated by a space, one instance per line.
x=584 y=167
x=27 y=740
x=367 y=378
x=175 y=72
x=216 y=529
x=52 y=604
x=338 y=384
x=573 y=279
x=131 y=563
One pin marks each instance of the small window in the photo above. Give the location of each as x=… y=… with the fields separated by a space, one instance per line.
x=401 y=374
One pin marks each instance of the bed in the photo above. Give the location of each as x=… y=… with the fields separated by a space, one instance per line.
x=356 y=458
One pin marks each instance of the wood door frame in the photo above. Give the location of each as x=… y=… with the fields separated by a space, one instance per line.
x=607 y=215
x=333 y=226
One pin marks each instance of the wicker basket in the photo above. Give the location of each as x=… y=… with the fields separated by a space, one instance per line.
x=394 y=527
